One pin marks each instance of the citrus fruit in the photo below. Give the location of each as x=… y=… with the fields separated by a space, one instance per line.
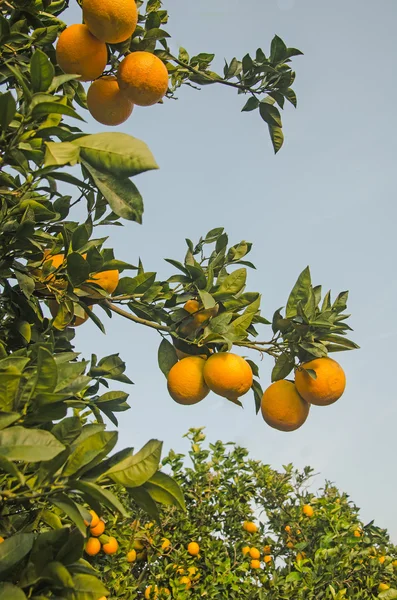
x=1 y=539
x=98 y=529
x=192 y=306
x=79 y=52
x=111 y=21
x=382 y=587
x=106 y=103
x=308 y=510
x=357 y=533
x=328 y=386
x=107 y=280
x=151 y=592
x=94 y=519
x=254 y=553
x=165 y=545
x=382 y=559
x=300 y=556
x=131 y=556
x=290 y=545
x=288 y=528
x=267 y=559
x=246 y=550
x=111 y=546
x=255 y=564
x=250 y=527
x=186 y=383
x=266 y=550
x=228 y=375
x=193 y=548
x=282 y=407
x=143 y=78
x=92 y=546
x=186 y=582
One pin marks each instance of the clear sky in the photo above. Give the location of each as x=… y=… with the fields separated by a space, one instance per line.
x=327 y=200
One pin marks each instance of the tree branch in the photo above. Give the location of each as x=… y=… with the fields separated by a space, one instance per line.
x=134 y=318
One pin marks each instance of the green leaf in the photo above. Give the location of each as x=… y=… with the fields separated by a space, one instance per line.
x=47 y=372
x=299 y=293
x=278 y=50
x=232 y=284
x=283 y=367
x=58 y=574
x=8 y=109
x=258 y=393
x=41 y=70
x=50 y=108
x=8 y=591
x=9 y=467
x=162 y=488
x=7 y=418
x=122 y=195
x=270 y=114
x=70 y=508
x=9 y=385
x=135 y=470
x=26 y=283
x=78 y=269
x=61 y=153
x=207 y=300
x=167 y=356
x=117 y=153
x=97 y=445
x=294 y=576
x=388 y=594
x=251 y=104
x=14 y=549
x=99 y=494
x=145 y=501
x=277 y=137
x=245 y=320
x=135 y=285
x=29 y=445
x=85 y=587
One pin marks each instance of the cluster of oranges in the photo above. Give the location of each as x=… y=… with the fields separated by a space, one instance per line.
x=187 y=579
x=97 y=539
x=141 y=79
x=47 y=276
x=286 y=404
x=253 y=553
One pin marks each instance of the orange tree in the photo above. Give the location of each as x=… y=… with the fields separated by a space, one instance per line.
x=249 y=532
x=55 y=273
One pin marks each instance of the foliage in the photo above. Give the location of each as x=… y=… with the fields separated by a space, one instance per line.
x=330 y=555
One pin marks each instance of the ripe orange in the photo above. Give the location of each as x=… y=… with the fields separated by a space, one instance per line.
x=254 y=553
x=186 y=383
x=193 y=548
x=290 y=545
x=250 y=527
x=246 y=550
x=382 y=587
x=382 y=559
x=131 y=556
x=106 y=103
x=79 y=52
x=228 y=375
x=92 y=546
x=308 y=510
x=288 y=528
x=165 y=545
x=357 y=533
x=94 y=519
x=107 y=280
x=282 y=407
x=111 y=21
x=255 y=564
x=98 y=529
x=151 y=592
x=186 y=582
x=329 y=385
x=268 y=559
x=394 y=563
x=111 y=546
x=192 y=306
x=1 y=539
x=143 y=78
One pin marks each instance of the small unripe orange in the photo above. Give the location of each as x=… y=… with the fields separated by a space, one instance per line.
x=131 y=556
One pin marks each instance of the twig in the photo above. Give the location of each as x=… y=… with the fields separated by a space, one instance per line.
x=134 y=318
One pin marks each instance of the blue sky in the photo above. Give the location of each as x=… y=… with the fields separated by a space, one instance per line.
x=327 y=200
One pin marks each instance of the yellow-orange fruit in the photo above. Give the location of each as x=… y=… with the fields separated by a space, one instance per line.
x=92 y=546
x=143 y=78
x=111 y=21
x=111 y=546
x=228 y=375
x=165 y=545
x=186 y=383
x=266 y=549
x=282 y=407
x=94 y=519
x=308 y=510
x=106 y=103
x=382 y=559
x=267 y=559
x=79 y=52
x=186 y=582
x=131 y=556
x=290 y=545
x=98 y=529
x=328 y=386
x=193 y=548
x=382 y=587
x=357 y=533
x=151 y=592
x=192 y=306
x=1 y=539
x=107 y=280
x=246 y=550
x=255 y=564
x=250 y=527
x=288 y=528
x=254 y=553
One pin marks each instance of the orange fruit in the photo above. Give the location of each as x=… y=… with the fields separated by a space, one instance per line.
x=143 y=78
x=394 y=563
x=192 y=306
x=357 y=533
x=382 y=559
x=193 y=548
x=107 y=280
x=267 y=559
x=98 y=529
x=382 y=587
x=94 y=519
x=186 y=582
x=1 y=539
x=308 y=510
x=131 y=556
x=329 y=385
x=290 y=545
x=92 y=546
x=228 y=375
x=111 y=21
x=288 y=529
x=186 y=383
x=165 y=545
x=106 y=103
x=282 y=407
x=111 y=546
x=79 y=52
x=300 y=556
x=255 y=564
x=246 y=550
x=266 y=550
x=254 y=553
x=250 y=527
x=151 y=592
